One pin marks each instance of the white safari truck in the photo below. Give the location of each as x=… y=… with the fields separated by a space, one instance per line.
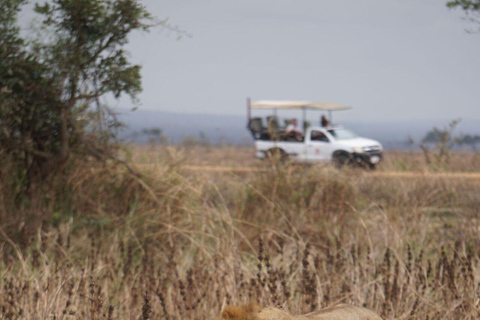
x=327 y=143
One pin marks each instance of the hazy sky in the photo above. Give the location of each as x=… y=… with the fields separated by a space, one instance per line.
x=389 y=59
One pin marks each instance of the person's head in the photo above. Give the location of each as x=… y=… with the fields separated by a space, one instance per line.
x=324 y=118
x=294 y=122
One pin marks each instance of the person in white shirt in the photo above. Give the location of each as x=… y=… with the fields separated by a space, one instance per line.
x=292 y=131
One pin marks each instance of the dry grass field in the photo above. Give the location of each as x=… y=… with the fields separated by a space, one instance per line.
x=234 y=157
x=169 y=242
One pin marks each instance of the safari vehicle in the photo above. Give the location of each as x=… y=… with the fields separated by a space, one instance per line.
x=318 y=144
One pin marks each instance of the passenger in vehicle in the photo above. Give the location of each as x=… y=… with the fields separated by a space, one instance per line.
x=324 y=122
x=319 y=136
x=292 y=133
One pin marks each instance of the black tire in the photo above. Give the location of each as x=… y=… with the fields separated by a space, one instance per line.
x=342 y=159
x=277 y=154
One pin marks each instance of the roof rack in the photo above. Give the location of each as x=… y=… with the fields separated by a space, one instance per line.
x=297 y=105
x=303 y=105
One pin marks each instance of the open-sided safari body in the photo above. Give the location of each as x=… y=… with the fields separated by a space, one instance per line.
x=317 y=144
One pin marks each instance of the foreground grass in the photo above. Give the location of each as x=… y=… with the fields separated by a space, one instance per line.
x=172 y=244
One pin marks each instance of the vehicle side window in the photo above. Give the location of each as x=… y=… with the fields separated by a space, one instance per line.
x=318 y=136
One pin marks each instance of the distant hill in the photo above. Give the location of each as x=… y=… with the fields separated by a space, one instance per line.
x=231 y=129
x=176 y=126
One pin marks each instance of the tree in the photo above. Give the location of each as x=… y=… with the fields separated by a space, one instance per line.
x=443 y=141
x=87 y=58
x=29 y=100
x=471 y=8
x=467 y=5
x=51 y=90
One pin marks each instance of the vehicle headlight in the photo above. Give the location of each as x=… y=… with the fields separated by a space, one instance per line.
x=358 y=149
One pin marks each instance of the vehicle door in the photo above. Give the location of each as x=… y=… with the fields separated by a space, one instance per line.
x=296 y=150
x=319 y=146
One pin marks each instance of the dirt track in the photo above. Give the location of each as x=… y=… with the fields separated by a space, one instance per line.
x=449 y=175
x=382 y=174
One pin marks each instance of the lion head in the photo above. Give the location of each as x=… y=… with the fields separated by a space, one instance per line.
x=255 y=312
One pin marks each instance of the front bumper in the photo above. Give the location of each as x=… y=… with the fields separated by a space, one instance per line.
x=371 y=158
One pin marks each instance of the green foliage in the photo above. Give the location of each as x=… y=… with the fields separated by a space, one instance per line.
x=471 y=8
x=86 y=49
x=29 y=104
x=50 y=90
x=29 y=100
x=8 y=19
x=467 y=5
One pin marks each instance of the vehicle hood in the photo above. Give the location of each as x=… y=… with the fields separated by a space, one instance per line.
x=359 y=142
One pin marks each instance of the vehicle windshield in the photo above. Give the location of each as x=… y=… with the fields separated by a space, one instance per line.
x=342 y=134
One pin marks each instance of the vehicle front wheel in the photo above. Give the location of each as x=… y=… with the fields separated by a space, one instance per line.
x=342 y=159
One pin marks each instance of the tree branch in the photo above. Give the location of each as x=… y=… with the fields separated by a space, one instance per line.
x=45 y=155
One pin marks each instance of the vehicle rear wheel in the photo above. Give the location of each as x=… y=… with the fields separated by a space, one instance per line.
x=277 y=155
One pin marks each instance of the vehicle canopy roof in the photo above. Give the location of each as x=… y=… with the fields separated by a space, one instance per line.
x=297 y=105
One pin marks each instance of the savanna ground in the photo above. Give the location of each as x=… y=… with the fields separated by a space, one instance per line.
x=170 y=240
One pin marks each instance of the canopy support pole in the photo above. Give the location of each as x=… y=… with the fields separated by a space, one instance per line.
x=304 y=118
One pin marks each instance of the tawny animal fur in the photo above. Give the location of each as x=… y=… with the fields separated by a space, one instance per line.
x=255 y=312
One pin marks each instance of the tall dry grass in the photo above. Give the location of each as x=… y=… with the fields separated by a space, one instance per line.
x=176 y=244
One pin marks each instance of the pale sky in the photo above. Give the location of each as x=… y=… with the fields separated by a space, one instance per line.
x=389 y=59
